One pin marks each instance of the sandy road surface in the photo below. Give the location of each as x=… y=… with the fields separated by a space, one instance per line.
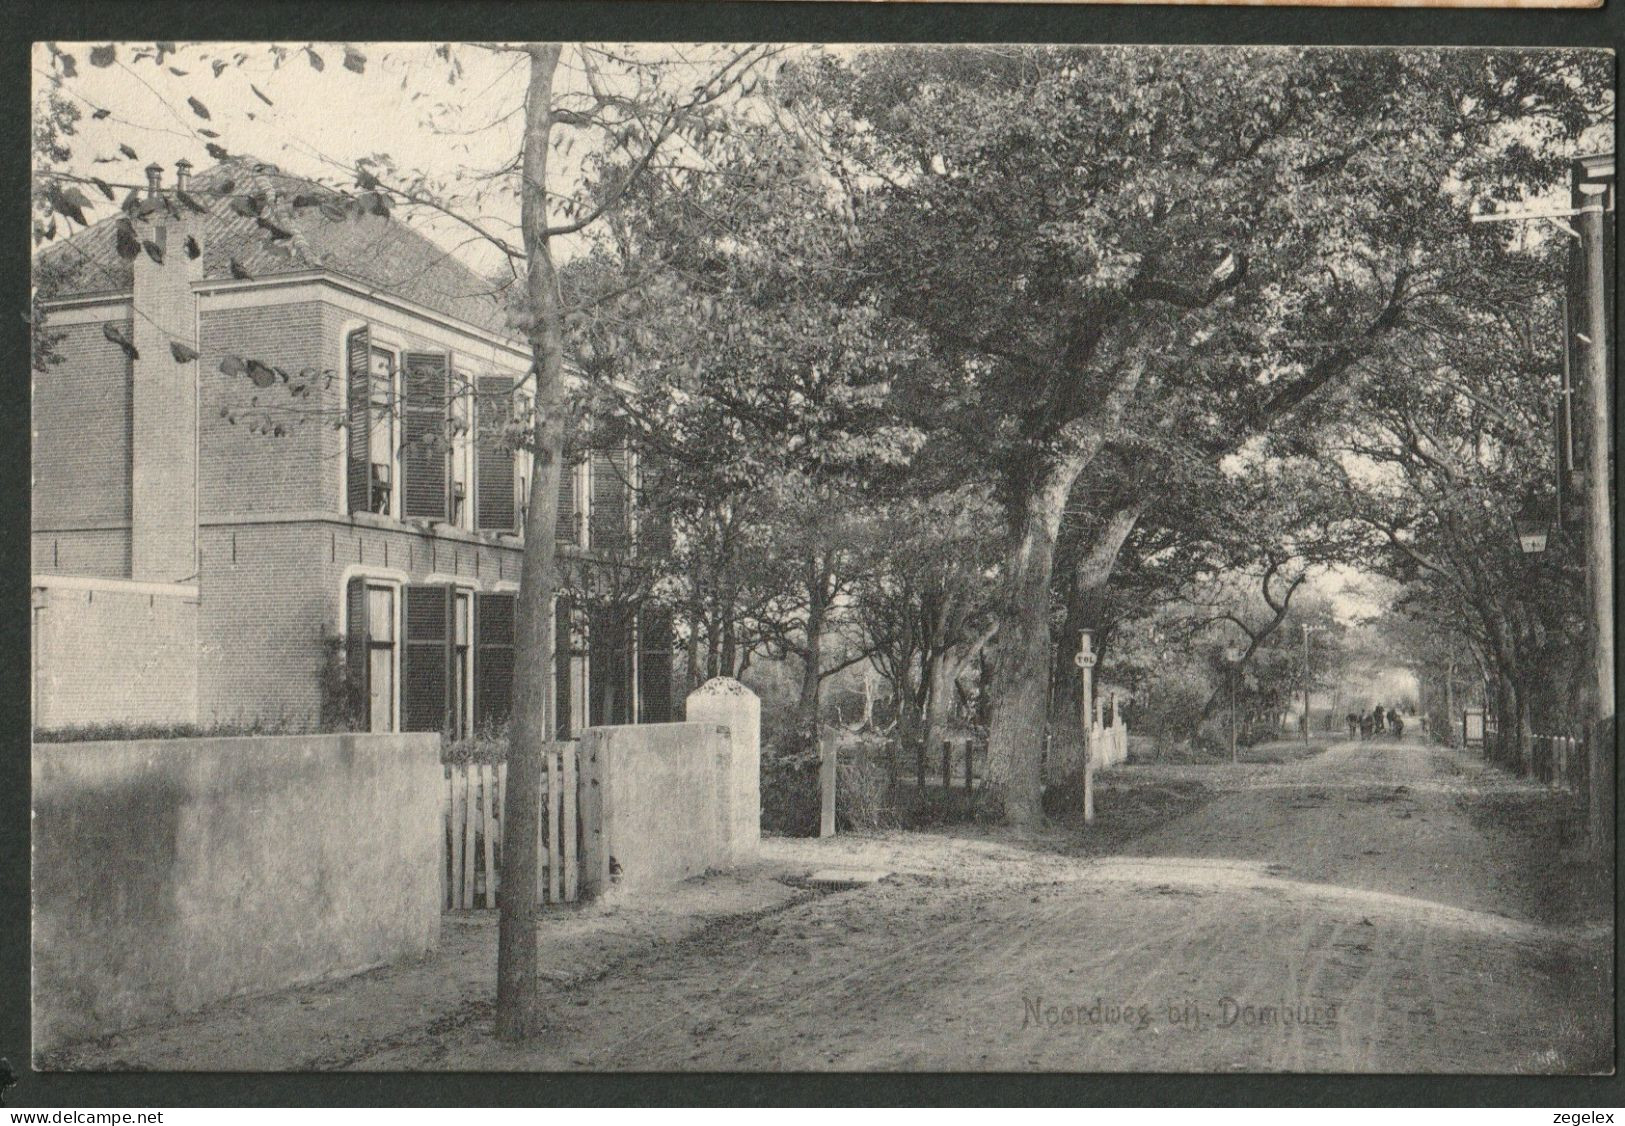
x=1349 y=912
x=1376 y=907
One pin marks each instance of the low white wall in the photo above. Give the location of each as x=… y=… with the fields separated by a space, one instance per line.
x=655 y=805
x=170 y=874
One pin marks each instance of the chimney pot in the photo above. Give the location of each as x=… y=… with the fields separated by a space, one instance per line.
x=155 y=176
x=183 y=173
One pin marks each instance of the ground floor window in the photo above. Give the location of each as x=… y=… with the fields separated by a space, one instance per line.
x=372 y=653
x=437 y=657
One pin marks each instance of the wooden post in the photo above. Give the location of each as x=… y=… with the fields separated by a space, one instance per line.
x=947 y=764
x=545 y=858
x=555 y=823
x=567 y=822
x=827 y=765
x=468 y=837
x=499 y=778
x=445 y=843
x=596 y=811
x=487 y=835
x=969 y=776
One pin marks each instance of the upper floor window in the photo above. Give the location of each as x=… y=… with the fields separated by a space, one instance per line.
x=427 y=441
x=382 y=440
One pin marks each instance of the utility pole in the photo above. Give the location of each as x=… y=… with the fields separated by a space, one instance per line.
x=1232 y=658
x=1591 y=202
x=1306 y=685
x=1233 y=756
x=1594 y=186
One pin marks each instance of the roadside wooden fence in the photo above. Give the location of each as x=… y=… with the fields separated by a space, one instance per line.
x=1110 y=744
x=963 y=762
x=472 y=871
x=1558 y=760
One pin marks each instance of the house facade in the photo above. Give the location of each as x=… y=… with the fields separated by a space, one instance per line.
x=274 y=479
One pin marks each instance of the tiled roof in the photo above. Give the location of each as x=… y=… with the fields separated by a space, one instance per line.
x=382 y=253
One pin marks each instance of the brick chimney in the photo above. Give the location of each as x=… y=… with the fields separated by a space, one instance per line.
x=183 y=174
x=163 y=448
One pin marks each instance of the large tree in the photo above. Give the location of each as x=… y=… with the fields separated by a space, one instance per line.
x=1075 y=232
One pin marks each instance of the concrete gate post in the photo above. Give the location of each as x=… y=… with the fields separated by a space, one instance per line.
x=724 y=701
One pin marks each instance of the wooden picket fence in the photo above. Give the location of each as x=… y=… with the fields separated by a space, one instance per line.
x=472 y=872
x=1559 y=760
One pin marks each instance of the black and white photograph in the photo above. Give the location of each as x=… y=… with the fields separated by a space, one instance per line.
x=789 y=557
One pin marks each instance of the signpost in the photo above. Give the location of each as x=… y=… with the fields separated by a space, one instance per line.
x=1084 y=659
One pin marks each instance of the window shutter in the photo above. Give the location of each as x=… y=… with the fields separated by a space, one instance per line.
x=493 y=659
x=563 y=650
x=566 y=529
x=494 y=508
x=654 y=665
x=609 y=510
x=425 y=458
x=358 y=412
x=355 y=649
x=426 y=657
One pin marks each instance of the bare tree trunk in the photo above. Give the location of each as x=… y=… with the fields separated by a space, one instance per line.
x=730 y=649
x=944 y=670
x=1015 y=744
x=812 y=665
x=518 y=1014
x=693 y=671
x=1450 y=701
x=1085 y=600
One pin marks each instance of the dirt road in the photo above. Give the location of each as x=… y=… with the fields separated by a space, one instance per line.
x=1376 y=907
x=1362 y=910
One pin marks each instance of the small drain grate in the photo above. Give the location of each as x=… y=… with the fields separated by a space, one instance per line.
x=845 y=879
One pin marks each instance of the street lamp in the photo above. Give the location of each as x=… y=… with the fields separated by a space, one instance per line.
x=1533 y=526
x=1232 y=658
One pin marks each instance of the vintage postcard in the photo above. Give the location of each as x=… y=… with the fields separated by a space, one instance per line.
x=742 y=556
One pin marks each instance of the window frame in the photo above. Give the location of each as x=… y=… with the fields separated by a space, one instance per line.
x=462 y=457
x=462 y=605
x=372 y=580
x=379 y=347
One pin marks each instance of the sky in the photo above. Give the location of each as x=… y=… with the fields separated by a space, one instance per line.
x=446 y=118
x=453 y=117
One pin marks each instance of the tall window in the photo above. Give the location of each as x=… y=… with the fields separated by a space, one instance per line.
x=380 y=658
x=462 y=454
x=382 y=441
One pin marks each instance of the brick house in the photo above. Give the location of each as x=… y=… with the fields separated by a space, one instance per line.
x=218 y=545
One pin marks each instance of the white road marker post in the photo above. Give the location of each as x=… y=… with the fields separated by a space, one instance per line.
x=1085 y=660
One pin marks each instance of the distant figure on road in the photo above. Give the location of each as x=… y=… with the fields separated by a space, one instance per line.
x=1354 y=724
x=1379 y=720
x=1365 y=727
x=1396 y=724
